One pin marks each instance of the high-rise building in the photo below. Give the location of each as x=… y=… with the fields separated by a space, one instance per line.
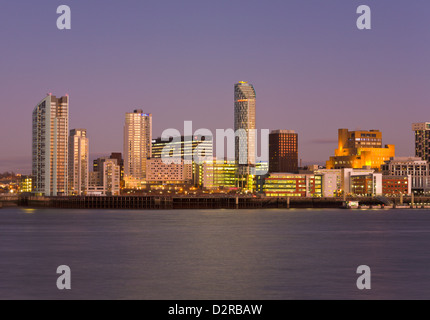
x=360 y=149
x=50 y=146
x=422 y=140
x=137 y=145
x=283 y=151
x=78 y=162
x=244 y=126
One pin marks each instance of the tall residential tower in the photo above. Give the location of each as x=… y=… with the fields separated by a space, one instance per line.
x=78 y=162
x=50 y=146
x=422 y=140
x=137 y=146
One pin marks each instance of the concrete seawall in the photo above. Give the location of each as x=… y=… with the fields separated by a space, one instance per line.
x=166 y=202
x=9 y=201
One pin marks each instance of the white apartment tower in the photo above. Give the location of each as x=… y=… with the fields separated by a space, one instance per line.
x=50 y=146
x=78 y=162
x=137 y=144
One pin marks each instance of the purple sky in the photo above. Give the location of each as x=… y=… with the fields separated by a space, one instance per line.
x=313 y=70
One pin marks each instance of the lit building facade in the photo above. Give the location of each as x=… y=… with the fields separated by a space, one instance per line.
x=283 y=151
x=346 y=177
x=179 y=172
x=137 y=146
x=50 y=146
x=414 y=167
x=218 y=175
x=366 y=184
x=106 y=180
x=331 y=182
x=111 y=177
x=360 y=149
x=422 y=140
x=293 y=185
x=119 y=161
x=25 y=184
x=244 y=126
x=396 y=185
x=188 y=148
x=78 y=162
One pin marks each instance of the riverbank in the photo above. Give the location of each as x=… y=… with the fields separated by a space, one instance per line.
x=208 y=202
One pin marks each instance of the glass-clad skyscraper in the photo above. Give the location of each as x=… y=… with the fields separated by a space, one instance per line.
x=244 y=126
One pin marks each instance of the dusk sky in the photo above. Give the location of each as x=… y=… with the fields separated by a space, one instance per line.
x=313 y=70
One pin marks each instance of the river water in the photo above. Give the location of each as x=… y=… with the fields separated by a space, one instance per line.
x=214 y=254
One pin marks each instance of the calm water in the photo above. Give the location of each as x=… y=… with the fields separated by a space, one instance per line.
x=224 y=254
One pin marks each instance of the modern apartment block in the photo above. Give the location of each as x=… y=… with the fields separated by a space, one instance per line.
x=244 y=126
x=78 y=162
x=137 y=146
x=50 y=146
x=283 y=151
x=422 y=140
x=360 y=149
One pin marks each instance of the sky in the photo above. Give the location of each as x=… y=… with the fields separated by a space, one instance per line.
x=313 y=70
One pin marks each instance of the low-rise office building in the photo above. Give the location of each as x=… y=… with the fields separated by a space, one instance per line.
x=179 y=172
x=415 y=167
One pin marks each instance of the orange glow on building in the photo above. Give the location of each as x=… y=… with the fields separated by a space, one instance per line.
x=358 y=149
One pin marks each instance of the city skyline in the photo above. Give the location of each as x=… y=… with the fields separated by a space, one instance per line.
x=94 y=156
x=331 y=76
